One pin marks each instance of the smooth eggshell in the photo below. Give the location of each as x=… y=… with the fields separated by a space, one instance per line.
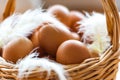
x=72 y=52
x=60 y=12
x=34 y=39
x=17 y=48
x=74 y=18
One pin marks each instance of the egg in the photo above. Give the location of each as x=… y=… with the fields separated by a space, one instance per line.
x=34 y=35
x=17 y=48
x=61 y=13
x=72 y=52
x=34 y=39
x=51 y=36
x=74 y=17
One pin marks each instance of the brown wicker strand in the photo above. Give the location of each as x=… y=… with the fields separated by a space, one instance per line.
x=113 y=22
x=9 y=9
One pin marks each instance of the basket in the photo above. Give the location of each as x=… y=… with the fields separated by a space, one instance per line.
x=104 y=67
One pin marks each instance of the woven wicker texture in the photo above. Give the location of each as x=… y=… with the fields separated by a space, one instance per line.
x=104 y=67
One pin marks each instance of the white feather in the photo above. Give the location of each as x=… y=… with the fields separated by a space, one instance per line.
x=31 y=62
x=95 y=25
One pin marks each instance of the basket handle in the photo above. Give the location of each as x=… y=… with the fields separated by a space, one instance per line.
x=9 y=9
x=113 y=22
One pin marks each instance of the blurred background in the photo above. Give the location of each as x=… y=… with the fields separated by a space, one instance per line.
x=81 y=5
x=71 y=4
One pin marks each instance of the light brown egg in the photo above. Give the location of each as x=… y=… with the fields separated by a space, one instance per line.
x=17 y=48
x=51 y=36
x=34 y=39
x=72 y=52
x=61 y=13
x=34 y=35
x=74 y=17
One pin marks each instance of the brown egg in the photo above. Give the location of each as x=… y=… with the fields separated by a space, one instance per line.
x=72 y=52
x=61 y=12
x=17 y=48
x=51 y=36
x=34 y=35
x=34 y=39
x=74 y=17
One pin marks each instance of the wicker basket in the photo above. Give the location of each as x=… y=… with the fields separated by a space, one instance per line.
x=104 y=67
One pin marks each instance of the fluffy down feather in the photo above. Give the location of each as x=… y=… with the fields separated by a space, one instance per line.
x=95 y=25
x=31 y=62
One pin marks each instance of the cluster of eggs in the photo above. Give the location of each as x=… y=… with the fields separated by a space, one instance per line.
x=61 y=43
